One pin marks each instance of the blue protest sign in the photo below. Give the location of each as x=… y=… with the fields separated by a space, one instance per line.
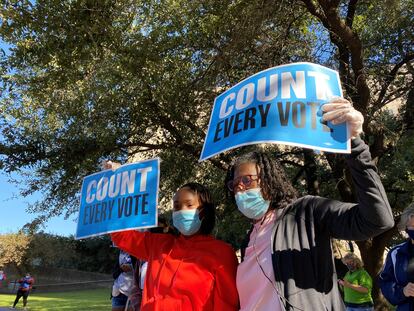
x=117 y=200
x=278 y=105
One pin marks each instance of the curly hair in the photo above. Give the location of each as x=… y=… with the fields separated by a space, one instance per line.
x=354 y=258
x=207 y=208
x=274 y=183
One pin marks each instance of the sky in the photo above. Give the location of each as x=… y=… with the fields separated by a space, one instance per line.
x=13 y=214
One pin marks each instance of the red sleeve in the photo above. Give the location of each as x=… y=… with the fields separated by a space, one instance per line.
x=133 y=242
x=225 y=290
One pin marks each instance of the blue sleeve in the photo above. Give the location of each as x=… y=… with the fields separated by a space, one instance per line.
x=388 y=283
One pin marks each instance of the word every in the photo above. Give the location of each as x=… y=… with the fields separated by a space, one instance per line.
x=288 y=113
x=125 y=207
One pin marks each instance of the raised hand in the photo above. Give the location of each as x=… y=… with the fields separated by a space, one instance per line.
x=340 y=110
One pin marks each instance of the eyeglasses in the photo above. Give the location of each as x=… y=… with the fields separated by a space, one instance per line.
x=245 y=180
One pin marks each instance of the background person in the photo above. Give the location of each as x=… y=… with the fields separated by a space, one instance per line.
x=25 y=286
x=288 y=264
x=357 y=285
x=397 y=275
x=191 y=271
x=3 y=278
x=124 y=281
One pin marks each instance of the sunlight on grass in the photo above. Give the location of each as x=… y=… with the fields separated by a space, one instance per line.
x=95 y=300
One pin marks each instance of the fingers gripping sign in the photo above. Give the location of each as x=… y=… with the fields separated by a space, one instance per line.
x=109 y=165
x=340 y=110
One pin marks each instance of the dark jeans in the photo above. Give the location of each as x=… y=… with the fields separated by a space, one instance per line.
x=21 y=293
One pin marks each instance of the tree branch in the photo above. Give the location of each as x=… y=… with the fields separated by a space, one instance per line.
x=332 y=21
x=391 y=76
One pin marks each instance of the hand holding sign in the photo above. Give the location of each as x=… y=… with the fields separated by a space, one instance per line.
x=109 y=165
x=340 y=110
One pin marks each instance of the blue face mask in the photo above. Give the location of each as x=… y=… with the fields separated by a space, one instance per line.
x=187 y=221
x=251 y=203
x=410 y=233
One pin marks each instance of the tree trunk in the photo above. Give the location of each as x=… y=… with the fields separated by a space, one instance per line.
x=312 y=181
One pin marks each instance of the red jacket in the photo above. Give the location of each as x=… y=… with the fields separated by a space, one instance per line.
x=184 y=273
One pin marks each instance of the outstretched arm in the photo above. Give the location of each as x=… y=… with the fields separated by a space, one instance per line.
x=133 y=242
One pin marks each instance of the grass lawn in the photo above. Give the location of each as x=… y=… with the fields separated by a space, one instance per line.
x=94 y=300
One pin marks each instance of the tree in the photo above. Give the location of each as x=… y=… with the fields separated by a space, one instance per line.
x=13 y=247
x=52 y=251
x=89 y=80
x=93 y=255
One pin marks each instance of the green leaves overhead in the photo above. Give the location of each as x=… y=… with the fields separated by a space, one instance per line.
x=88 y=80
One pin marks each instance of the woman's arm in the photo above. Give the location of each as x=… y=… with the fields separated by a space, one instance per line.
x=357 y=221
x=133 y=242
x=358 y=288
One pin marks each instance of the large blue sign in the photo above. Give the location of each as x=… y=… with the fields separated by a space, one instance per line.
x=278 y=105
x=122 y=199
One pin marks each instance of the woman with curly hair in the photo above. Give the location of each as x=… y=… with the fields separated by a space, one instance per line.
x=357 y=285
x=287 y=262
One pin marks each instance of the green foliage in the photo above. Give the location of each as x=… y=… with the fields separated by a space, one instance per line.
x=93 y=80
x=90 y=80
x=95 y=255
x=92 y=255
x=13 y=247
x=398 y=173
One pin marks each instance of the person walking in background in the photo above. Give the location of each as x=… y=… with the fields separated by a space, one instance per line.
x=3 y=278
x=25 y=286
x=189 y=271
x=397 y=275
x=124 y=281
x=287 y=262
x=357 y=285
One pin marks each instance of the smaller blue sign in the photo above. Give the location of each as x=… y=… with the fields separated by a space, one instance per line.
x=278 y=105
x=121 y=199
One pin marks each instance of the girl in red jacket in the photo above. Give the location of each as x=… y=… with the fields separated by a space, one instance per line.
x=189 y=272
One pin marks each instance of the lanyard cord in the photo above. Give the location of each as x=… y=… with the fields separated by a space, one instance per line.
x=157 y=288
x=267 y=277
